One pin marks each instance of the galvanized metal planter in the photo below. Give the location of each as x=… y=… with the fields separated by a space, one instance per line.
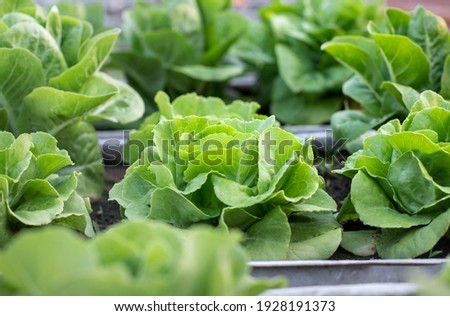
x=369 y=289
x=338 y=272
x=347 y=277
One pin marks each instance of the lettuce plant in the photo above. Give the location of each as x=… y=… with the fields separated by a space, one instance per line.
x=32 y=193
x=401 y=183
x=49 y=70
x=92 y=12
x=186 y=105
x=132 y=258
x=308 y=81
x=179 y=46
x=234 y=174
x=407 y=53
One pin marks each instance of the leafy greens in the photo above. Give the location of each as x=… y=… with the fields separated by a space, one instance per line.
x=179 y=46
x=91 y=12
x=186 y=105
x=49 y=70
x=133 y=258
x=407 y=53
x=228 y=169
x=401 y=182
x=32 y=193
x=305 y=82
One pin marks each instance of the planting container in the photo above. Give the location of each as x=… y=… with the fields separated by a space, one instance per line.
x=349 y=276
x=339 y=272
x=368 y=289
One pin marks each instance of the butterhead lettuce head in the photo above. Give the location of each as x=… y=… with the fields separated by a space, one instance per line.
x=232 y=173
x=401 y=180
x=132 y=258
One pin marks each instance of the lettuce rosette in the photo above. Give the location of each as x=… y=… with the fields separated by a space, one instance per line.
x=401 y=184
x=51 y=81
x=32 y=194
x=133 y=258
x=232 y=173
x=407 y=53
x=189 y=104
x=179 y=46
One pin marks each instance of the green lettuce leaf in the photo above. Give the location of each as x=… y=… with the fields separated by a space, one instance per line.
x=133 y=258
x=201 y=161
x=212 y=108
x=301 y=82
x=179 y=47
x=51 y=80
x=400 y=182
x=32 y=193
x=406 y=55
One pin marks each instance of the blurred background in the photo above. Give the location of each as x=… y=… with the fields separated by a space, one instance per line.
x=440 y=7
x=250 y=7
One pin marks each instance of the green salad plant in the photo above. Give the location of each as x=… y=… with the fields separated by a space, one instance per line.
x=92 y=12
x=179 y=46
x=406 y=54
x=51 y=81
x=401 y=184
x=132 y=258
x=304 y=82
x=206 y=162
x=32 y=193
x=189 y=104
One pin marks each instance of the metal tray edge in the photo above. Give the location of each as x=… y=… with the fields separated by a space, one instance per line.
x=328 y=263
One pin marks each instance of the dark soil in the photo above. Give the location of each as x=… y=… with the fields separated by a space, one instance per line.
x=337 y=186
x=105 y=213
